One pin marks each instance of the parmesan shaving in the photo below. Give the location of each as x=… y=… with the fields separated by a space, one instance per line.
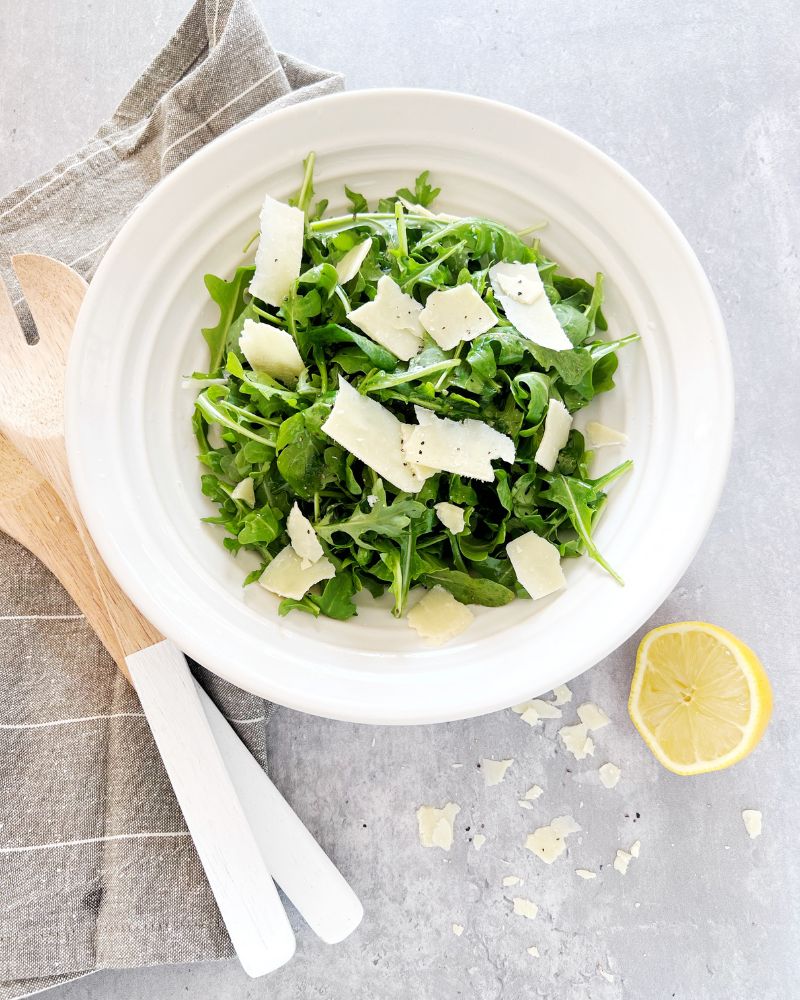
x=287 y=577
x=268 y=349
x=245 y=491
x=494 y=771
x=752 y=822
x=562 y=695
x=557 y=425
x=592 y=717
x=451 y=516
x=525 y=907
x=303 y=537
x=279 y=253
x=391 y=319
x=436 y=825
x=454 y=315
x=349 y=266
x=609 y=775
x=576 y=739
x=600 y=436
x=439 y=617
x=548 y=842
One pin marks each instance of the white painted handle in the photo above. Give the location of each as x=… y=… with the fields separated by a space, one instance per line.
x=298 y=864
x=243 y=888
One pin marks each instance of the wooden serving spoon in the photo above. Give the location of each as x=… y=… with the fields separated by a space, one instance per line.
x=31 y=417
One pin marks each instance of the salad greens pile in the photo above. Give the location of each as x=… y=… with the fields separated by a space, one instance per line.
x=377 y=538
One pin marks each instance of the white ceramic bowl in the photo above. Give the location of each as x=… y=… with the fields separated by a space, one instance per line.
x=132 y=453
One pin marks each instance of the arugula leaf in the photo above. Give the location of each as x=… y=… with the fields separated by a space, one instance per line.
x=358 y=201
x=382 y=518
x=582 y=501
x=336 y=600
x=229 y=296
x=470 y=589
x=423 y=193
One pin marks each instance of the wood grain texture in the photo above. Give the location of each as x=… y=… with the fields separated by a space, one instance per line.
x=31 y=413
x=32 y=514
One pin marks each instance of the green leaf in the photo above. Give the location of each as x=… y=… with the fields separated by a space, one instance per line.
x=423 y=193
x=336 y=600
x=259 y=527
x=382 y=518
x=470 y=589
x=300 y=457
x=333 y=333
x=229 y=296
x=305 y=604
x=580 y=500
x=358 y=201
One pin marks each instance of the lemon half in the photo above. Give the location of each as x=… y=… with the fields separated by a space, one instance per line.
x=700 y=698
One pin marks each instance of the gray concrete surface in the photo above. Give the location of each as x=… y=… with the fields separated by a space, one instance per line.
x=699 y=101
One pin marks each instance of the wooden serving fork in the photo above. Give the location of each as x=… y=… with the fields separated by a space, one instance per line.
x=31 y=417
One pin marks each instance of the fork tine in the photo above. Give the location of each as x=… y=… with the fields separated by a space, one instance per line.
x=12 y=340
x=54 y=293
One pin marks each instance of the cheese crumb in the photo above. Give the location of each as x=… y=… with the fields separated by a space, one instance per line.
x=593 y=717
x=303 y=537
x=510 y=880
x=245 y=491
x=562 y=695
x=478 y=841
x=534 y=792
x=525 y=907
x=621 y=861
x=577 y=740
x=635 y=848
x=600 y=436
x=494 y=771
x=458 y=930
x=436 y=825
x=524 y=804
x=533 y=951
x=439 y=617
x=752 y=822
x=609 y=775
x=452 y=517
x=534 y=710
x=585 y=873
x=548 y=842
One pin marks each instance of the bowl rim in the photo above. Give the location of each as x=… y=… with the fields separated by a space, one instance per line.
x=463 y=704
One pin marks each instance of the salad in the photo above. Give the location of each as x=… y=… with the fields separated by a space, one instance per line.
x=389 y=405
